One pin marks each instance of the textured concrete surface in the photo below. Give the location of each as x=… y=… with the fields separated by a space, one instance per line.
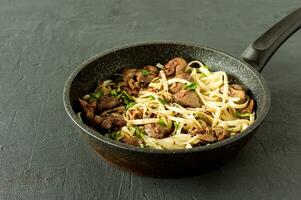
x=41 y=41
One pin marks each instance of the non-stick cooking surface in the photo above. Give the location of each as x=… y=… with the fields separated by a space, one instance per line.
x=41 y=43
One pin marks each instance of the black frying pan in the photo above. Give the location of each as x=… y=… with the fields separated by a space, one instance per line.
x=178 y=162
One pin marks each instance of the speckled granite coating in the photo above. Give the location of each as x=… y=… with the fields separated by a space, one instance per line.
x=43 y=41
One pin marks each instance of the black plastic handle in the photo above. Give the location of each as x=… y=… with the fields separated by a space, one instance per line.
x=258 y=53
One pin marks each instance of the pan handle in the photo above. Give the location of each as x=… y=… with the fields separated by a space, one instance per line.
x=259 y=52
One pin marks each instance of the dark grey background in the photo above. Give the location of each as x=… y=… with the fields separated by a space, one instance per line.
x=42 y=41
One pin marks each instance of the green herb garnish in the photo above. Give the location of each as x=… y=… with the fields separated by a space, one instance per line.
x=127 y=95
x=114 y=93
x=151 y=97
x=162 y=101
x=93 y=98
x=161 y=121
x=145 y=72
x=129 y=105
x=115 y=135
x=139 y=133
x=96 y=95
x=127 y=99
x=177 y=125
x=191 y=86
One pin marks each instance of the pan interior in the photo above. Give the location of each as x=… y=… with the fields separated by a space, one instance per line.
x=102 y=66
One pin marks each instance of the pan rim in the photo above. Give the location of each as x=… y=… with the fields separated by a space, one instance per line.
x=98 y=136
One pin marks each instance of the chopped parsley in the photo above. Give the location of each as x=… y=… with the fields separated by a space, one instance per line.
x=130 y=104
x=145 y=72
x=127 y=95
x=114 y=93
x=162 y=101
x=177 y=125
x=161 y=121
x=138 y=133
x=128 y=100
x=151 y=97
x=191 y=86
x=96 y=95
x=116 y=135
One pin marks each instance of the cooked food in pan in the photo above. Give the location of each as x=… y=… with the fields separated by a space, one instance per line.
x=176 y=106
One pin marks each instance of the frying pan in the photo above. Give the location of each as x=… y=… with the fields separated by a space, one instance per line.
x=154 y=162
